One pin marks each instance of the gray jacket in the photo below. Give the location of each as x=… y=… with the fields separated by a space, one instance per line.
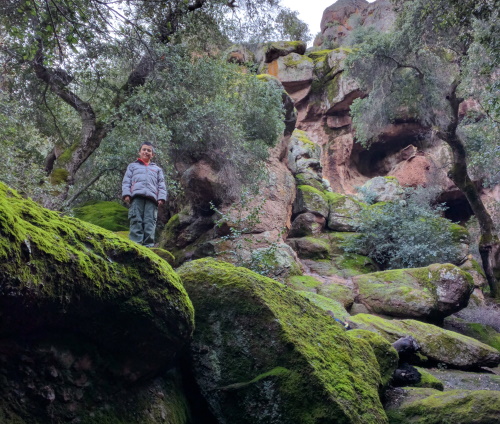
x=144 y=180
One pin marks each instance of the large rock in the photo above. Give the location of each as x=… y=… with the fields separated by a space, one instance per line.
x=344 y=211
x=310 y=199
x=440 y=346
x=109 y=215
x=343 y=16
x=429 y=293
x=304 y=157
x=261 y=353
x=382 y=189
x=428 y=406
x=68 y=283
x=295 y=72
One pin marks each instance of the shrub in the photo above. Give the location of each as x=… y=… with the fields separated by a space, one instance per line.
x=406 y=233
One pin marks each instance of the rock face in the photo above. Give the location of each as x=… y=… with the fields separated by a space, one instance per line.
x=68 y=289
x=262 y=353
x=438 y=345
x=430 y=293
x=345 y=15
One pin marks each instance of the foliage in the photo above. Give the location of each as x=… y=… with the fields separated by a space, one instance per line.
x=290 y=27
x=24 y=148
x=198 y=109
x=408 y=233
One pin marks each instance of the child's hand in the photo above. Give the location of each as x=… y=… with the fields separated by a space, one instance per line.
x=126 y=199
x=161 y=202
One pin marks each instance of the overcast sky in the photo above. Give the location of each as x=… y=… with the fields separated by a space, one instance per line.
x=310 y=11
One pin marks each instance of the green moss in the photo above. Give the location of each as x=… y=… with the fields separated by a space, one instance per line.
x=303 y=282
x=303 y=137
x=250 y=325
x=306 y=179
x=319 y=55
x=293 y=62
x=387 y=356
x=459 y=233
x=428 y=380
x=59 y=176
x=109 y=215
x=326 y=304
x=57 y=264
x=451 y=406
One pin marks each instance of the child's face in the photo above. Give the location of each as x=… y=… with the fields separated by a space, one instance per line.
x=146 y=153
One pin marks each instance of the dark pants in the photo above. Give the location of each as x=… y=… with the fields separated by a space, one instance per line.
x=142 y=215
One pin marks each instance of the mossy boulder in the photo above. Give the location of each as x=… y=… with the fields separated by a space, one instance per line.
x=69 y=289
x=344 y=211
x=304 y=157
x=262 y=353
x=307 y=224
x=65 y=274
x=453 y=406
x=429 y=293
x=438 y=345
x=382 y=189
x=428 y=380
x=482 y=332
x=310 y=199
x=387 y=356
x=109 y=215
x=276 y=49
x=310 y=247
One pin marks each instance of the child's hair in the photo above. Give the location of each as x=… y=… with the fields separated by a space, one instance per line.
x=147 y=143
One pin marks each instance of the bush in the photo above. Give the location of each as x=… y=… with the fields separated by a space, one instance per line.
x=406 y=233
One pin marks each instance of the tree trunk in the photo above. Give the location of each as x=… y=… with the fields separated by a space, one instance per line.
x=489 y=243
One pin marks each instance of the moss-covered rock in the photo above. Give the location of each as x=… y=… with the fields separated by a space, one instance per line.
x=109 y=215
x=310 y=247
x=261 y=353
x=453 y=406
x=438 y=345
x=344 y=211
x=276 y=49
x=307 y=224
x=429 y=293
x=382 y=189
x=66 y=284
x=310 y=199
x=387 y=356
x=428 y=380
x=67 y=274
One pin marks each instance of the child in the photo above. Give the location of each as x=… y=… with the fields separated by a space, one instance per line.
x=144 y=187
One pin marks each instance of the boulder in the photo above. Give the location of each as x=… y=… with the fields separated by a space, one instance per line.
x=66 y=285
x=427 y=380
x=310 y=199
x=382 y=189
x=482 y=332
x=304 y=156
x=276 y=49
x=438 y=345
x=310 y=247
x=262 y=353
x=307 y=224
x=326 y=304
x=295 y=73
x=428 y=406
x=344 y=211
x=429 y=293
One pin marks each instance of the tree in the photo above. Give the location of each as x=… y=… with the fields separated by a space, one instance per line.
x=418 y=72
x=92 y=56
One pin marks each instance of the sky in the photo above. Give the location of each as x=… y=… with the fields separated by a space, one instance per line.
x=310 y=11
